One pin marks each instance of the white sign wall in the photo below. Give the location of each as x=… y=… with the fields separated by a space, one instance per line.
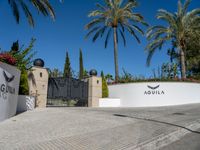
x=155 y=93
x=9 y=87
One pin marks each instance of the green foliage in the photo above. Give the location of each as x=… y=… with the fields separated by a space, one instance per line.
x=193 y=54
x=109 y=78
x=163 y=76
x=24 y=60
x=86 y=74
x=169 y=71
x=67 y=68
x=81 y=68
x=105 y=91
x=126 y=77
x=102 y=74
x=23 y=86
x=24 y=56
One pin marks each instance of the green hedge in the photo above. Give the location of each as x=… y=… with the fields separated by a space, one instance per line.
x=193 y=80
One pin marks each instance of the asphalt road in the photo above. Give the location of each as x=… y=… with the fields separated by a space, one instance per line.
x=190 y=141
x=175 y=127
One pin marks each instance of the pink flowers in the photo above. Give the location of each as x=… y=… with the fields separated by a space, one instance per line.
x=7 y=58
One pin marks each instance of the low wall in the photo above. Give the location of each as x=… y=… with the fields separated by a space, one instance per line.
x=9 y=87
x=155 y=93
x=108 y=102
x=25 y=103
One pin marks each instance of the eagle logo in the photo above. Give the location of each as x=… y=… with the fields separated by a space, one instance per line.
x=8 y=79
x=153 y=88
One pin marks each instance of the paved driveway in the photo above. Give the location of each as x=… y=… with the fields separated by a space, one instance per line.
x=100 y=128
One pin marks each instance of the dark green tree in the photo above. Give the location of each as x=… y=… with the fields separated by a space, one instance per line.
x=15 y=46
x=109 y=78
x=81 y=67
x=115 y=17
x=67 y=68
x=104 y=86
x=193 y=54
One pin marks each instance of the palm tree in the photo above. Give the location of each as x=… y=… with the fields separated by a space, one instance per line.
x=117 y=17
x=178 y=26
x=43 y=6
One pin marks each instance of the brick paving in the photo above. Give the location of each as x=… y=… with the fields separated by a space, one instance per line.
x=95 y=128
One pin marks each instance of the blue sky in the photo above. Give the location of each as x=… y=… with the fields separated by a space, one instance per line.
x=67 y=33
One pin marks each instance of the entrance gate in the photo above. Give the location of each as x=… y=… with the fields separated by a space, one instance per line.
x=67 y=92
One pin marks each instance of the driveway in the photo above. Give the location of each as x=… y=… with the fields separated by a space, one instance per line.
x=103 y=128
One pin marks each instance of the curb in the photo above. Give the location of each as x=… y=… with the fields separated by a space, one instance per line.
x=166 y=139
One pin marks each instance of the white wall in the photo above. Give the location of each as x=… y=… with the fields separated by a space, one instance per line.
x=9 y=87
x=108 y=102
x=168 y=93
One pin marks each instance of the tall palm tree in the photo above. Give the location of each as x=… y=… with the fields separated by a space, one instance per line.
x=43 y=6
x=117 y=17
x=178 y=26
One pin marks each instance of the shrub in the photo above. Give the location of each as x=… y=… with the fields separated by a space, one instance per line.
x=105 y=92
x=23 y=87
x=8 y=58
x=126 y=77
x=104 y=88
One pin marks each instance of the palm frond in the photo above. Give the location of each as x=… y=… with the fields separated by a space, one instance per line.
x=107 y=37
x=27 y=13
x=151 y=47
x=123 y=36
x=43 y=6
x=94 y=22
x=132 y=32
x=92 y=31
x=97 y=34
x=167 y=16
x=15 y=10
x=186 y=5
x=95 y=13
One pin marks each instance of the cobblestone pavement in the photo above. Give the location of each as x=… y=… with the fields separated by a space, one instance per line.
x=99 y=128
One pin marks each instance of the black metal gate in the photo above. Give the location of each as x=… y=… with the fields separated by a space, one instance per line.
x=67 y=92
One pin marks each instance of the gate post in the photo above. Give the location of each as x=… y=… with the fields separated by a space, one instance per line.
x=38 y=83
x=94 y=89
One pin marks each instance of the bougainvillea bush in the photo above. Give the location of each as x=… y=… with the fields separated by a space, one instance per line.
x=8 y=58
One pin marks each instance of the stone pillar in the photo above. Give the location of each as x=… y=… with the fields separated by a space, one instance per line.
x=95 y=90
x=38 y=85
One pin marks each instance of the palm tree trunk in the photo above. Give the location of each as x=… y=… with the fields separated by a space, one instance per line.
x=116 y=54
x=183 y=65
